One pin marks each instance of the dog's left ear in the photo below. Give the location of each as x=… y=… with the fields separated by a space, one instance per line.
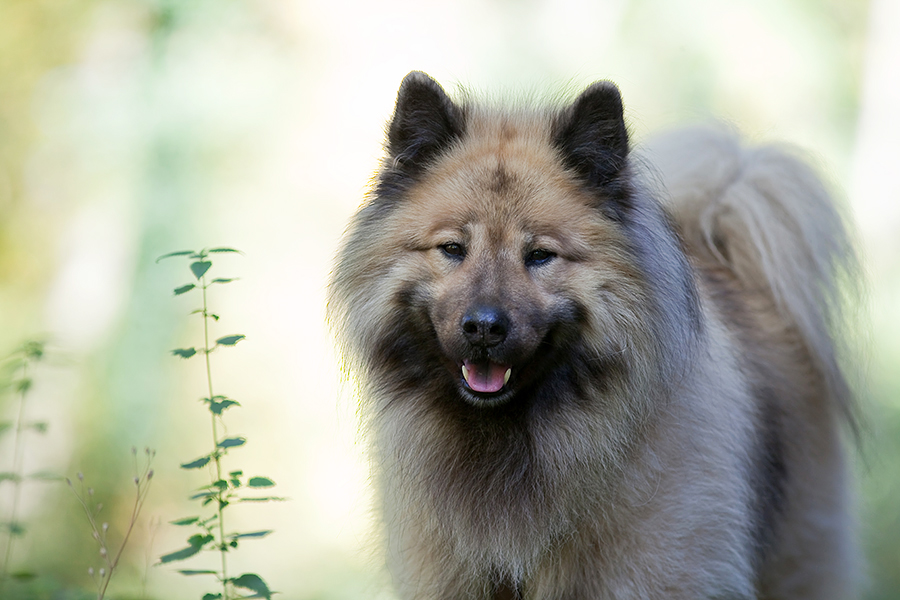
x=591 y=135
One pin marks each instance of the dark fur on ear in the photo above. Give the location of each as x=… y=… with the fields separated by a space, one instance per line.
x=425 y=123
x=593 y=140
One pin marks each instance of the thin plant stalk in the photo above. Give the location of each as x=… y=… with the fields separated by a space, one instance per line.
x=142 y=488
x=152 y=530
x=215 y=453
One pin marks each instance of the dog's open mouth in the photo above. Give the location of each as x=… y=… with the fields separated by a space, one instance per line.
x=485 y=377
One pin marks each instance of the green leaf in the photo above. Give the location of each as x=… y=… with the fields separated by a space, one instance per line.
x=216 y=408
x=223 y=280
x=208 y=495
x=182 y=554
x=229 y=340
x=218 y=250
x=39 y=426
x=263 y=499
x=254 y=583
x=200 y=268
x=221 y=484
x=14 y=529
x=23 y=575
x=23 y=385
x=196 y=464
x=197 y=572
x=253 y=534
x=232 y=442
x=260 y=482
x=185 y=521
x=211 y=596
x=33 y=350
x=7 y=476
x=235 y=473
x=179 y=253
x=184 y=352
x=200 y=539
x=184 y=289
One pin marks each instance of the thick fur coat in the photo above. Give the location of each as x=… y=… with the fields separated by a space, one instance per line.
x=591 y=373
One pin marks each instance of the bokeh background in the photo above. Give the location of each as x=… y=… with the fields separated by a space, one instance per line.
x=132 y=128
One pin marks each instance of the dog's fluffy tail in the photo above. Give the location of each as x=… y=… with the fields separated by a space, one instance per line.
x=765 y=214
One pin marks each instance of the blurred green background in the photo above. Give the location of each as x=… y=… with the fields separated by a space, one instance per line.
x=129 y=129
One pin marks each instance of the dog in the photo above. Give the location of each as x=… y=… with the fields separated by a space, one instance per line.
x=595 y=372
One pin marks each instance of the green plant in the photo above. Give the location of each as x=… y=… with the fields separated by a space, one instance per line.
x=142 y=477
x=224 y=488
x=17 y=376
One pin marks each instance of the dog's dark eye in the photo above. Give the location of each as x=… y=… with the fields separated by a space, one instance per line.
x=453 y=250
x=539 y=257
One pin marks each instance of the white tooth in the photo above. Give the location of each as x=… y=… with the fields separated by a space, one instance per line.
x=465 y=373
x=506 y=376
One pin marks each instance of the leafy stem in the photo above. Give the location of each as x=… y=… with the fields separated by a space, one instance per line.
x=14 y=529
x=223 y=489
x=20 y=380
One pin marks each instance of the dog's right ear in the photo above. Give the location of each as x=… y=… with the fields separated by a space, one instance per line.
x=592 y=136
x=425 y=123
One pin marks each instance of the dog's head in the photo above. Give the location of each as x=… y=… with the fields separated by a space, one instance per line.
x=510 y=224
x=504 y=250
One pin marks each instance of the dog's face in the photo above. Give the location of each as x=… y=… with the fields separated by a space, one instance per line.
x=498 y=250
x=511 y=254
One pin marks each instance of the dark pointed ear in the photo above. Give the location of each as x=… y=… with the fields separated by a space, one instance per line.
x=425 y=123
x=591 y=135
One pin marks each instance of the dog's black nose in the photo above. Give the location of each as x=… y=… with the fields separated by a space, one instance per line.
x=485 y=325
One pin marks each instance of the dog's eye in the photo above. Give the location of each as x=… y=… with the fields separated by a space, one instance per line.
x=453 y=250
x=539 y=257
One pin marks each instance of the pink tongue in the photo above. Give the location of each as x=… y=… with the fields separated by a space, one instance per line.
x=485 y=377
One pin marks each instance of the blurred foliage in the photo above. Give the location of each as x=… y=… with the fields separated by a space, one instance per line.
x=36 y=36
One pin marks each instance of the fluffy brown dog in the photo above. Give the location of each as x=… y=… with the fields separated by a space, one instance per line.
x=582 y=387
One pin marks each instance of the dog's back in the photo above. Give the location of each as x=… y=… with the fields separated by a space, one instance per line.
x=776 y=259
